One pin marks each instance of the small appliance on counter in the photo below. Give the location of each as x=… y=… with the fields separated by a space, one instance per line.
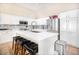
x=25 y=23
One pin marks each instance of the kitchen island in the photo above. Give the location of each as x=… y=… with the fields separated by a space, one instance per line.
x=45 y=40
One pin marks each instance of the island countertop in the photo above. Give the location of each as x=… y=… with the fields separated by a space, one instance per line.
x=36 y=37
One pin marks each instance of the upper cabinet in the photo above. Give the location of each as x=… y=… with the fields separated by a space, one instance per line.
x=13 y=19
x=8 y=19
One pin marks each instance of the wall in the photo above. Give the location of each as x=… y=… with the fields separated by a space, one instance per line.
x=69 y=27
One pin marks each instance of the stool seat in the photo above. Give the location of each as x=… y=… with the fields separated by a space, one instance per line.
x=21 y=40
x=33 y=45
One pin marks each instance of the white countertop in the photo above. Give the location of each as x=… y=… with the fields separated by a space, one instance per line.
x=36 y=37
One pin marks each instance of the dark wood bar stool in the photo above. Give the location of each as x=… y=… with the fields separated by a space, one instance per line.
x=22 y=46
x=17 y=45
x=31 y=47
x=21 y=43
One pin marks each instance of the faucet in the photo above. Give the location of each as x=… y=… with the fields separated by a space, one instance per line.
x=33 y=25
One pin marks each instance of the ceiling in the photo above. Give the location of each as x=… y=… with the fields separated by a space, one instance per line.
x=37 y=10
x=48 y=9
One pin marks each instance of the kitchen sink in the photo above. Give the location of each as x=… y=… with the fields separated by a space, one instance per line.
x=36 y=31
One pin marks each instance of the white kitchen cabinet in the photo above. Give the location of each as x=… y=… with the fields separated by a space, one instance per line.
x=8 y=19
x=12 y=19
x=69 y=27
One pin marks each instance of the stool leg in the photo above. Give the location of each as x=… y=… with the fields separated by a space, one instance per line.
x=13 y=44
x=25 y=52
x=22 y=51
x=16 y=48
x=19 y=49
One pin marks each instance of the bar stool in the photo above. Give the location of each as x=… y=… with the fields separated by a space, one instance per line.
x=21 y=42
x=20 y=46
x=32 y=48
x=15 y=44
